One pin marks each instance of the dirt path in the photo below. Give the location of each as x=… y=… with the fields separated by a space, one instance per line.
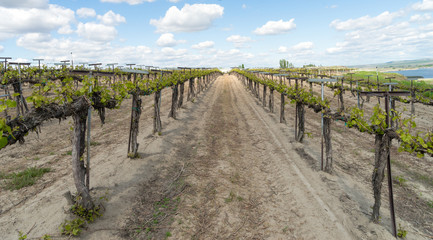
x=248 y=181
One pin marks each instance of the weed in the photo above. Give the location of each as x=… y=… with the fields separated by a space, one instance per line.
x=72 y=228
x=285 y=229
x=401 y=180
x=167 y=234
x=159 y=133
x=94 y=143
x=133 y=156
x=52 y=153
x=230 y=197
x=239 y=198
x=46 y=237
x=69 y=153
x=21 y=235
x=36 y=158
x=24 y=178
x=401 y=233
x=89 y=215
x=430 y=204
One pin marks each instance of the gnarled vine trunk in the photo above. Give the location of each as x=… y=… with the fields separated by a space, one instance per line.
x=157 y=125
x=20 y=100
x=340 y=96
x=135 y=119
x=300 y=120
x=198 y=85
x=382 y=144
x=191 y=92
x=283 y=103
x=181 y=90
x=264 y=95
x=328 y=145
x=173 y=108
x=78 y=169
x=271 y=100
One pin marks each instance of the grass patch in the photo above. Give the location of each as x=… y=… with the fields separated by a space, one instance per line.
x=94 y=143
x=28 y=177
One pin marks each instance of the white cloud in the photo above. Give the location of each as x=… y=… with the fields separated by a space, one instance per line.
x=66 y=29
x=300 y=48
x=238 y=40
x=167 y=40
x=86 y=12
x=385 y=35
x=174 y=1
x=381 y=20
x=111 y=18
x=425 y=5
x=283 y=49
x=303 y=46
x=244 y=6
x=420 y=18
x=1 y=48
x=203 y=45
x=23 y=20
x=191 y=18
x=54 y=50
x=130 y=2
x=276 y=27
x=24 y=3
x=96 y=32
x=338 y=48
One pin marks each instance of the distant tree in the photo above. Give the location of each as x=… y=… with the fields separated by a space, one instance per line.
x=241 y=66
x=309 y=65
x=285 y=64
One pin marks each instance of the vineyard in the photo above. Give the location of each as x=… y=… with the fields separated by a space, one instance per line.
x=262 y=153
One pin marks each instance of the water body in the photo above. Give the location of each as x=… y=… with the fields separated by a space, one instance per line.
x=425 y=72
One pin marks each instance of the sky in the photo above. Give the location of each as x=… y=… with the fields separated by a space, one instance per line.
x=216 y=33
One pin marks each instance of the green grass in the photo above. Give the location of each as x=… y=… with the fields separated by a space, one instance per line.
x=403 y=82
x=28 y=177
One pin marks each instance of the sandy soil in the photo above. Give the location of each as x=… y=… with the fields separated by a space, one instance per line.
x=225 y=169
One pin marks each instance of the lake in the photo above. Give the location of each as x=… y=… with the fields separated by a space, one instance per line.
x=425 y=72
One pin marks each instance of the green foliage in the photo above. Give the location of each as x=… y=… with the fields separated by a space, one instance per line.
x=72 y=227
x=46 y=237
x=401 y=180
x=28 y=177
x=21 y=235
x=59 y=86
x=401 y=232
x=88 y=215
x=419 y=143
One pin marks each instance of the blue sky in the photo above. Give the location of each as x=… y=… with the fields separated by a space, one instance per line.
x=221 y=33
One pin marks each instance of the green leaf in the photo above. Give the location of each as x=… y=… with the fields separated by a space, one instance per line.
x=3 y=142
